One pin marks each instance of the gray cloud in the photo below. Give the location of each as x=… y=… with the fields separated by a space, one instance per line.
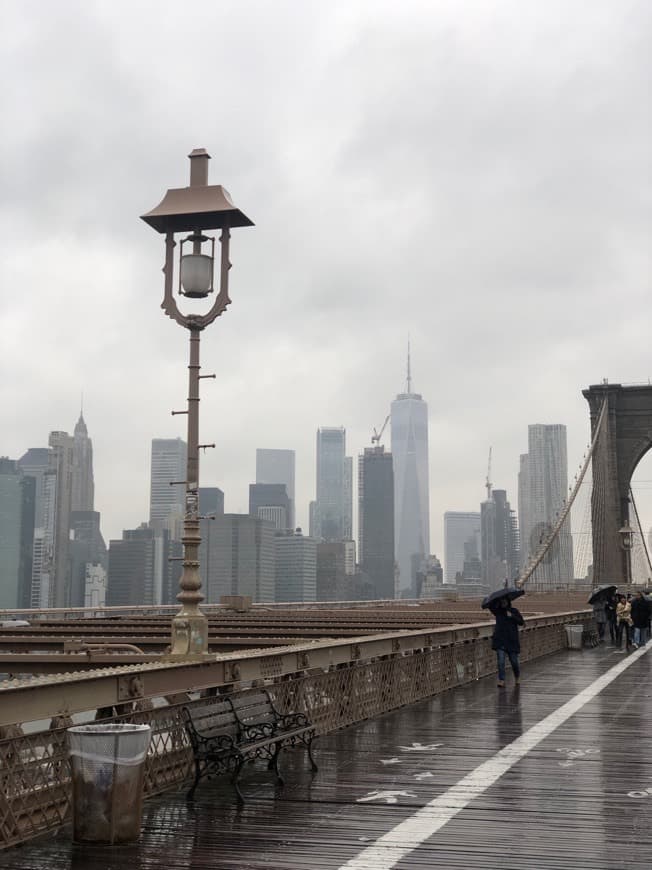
x=475 y=174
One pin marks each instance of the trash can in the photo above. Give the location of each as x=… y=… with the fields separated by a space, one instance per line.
x=108 y=763
x=574 y=636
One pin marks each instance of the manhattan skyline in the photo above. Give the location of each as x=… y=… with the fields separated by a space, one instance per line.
x=489 y=219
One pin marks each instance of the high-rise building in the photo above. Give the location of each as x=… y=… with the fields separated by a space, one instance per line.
x=333 y=509
x=211 y=501
x=86 y=547
x=409 y=427
x=17 y=500
x=236 y=557
x=296 y=567
x=132 y=568
x=167 y=484
x=83 y=486
x=376 y=519
x=269 y=501
x=61 y=463
x=543 y=487
x=459 y=528
x=278 y=466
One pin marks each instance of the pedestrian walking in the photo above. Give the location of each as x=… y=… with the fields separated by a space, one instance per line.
x=600 y=616
x=624 y=621
x=505 y=639
x=640 y=618
x=610 y=612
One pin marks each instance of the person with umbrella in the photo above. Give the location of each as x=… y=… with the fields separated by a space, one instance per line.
x=599 y=600
x=505 y=640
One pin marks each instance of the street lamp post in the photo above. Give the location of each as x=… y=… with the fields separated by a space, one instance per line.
x=194 y=209
x=627 y=542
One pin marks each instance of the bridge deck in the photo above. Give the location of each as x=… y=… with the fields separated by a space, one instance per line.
x=576 y=799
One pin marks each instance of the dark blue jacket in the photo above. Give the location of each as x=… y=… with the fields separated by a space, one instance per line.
x=505 y=636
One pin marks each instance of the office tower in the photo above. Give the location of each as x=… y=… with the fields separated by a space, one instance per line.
x=409 y=427
x=166 y=500
x=17 y=501
x=459 y=528
x=61 y=463
x=269 y=501
x=95 y=583
x=86 y=547
x=132 y=568
x=236 y=557
x=376 y=519
x=336 y=572
x=333 y=510
x=83 y=487
x=211 y=501
x=543 y=487
x=278 y=466
x=430 y=579
x=296 y=567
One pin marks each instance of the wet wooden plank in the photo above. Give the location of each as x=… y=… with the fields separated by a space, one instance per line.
x=577 y=800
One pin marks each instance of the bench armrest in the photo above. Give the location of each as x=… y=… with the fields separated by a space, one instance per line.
x=258 y=731
x=293 y=720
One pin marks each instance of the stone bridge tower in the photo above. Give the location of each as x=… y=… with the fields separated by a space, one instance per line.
x=625 y=439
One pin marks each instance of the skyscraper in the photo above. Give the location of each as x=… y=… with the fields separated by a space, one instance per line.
x=269 y=501
x=166 y=502
x=460 y=528
x=61 y=463
x=296 y=567
x=333 y=509
x=376 y=519
x=409 y=428
x=16 y=533
x=236 y=557
x=278 y=466
x=83 y=486
x=543 y=487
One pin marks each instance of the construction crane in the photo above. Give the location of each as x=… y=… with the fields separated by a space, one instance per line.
x=488 y=482
x=375 y=438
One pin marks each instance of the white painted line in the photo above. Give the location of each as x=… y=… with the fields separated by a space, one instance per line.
x=389 y=849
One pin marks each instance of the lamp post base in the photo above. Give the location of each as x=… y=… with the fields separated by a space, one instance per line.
x=189 y=634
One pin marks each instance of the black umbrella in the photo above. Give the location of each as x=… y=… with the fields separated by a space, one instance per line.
x=602 y=592
x=510 y=592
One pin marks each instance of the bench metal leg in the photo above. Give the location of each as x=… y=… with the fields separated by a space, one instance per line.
x=190 y=794
x=234 y=780
x=313 y=766
x=273 y=764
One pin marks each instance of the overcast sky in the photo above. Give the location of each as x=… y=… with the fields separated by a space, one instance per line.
x=473 y=174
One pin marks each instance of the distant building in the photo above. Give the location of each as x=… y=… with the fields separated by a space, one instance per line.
x=278 y=466
x=35 y=463
x=430 y=579
x=166 y=501
x=460 y=527
x=333 y=509
x=132 y=569
x=270 y=501
x=86 y=547
x=335 y=569
x=409 y=427
x=62 y=464
x=543 y=488
x=296 y=567
x=17 y=501
x=211 y=501
x=95 y=586
x=376 y=519
x=236 y=557
x=83 y=486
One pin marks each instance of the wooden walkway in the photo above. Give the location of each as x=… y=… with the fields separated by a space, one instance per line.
x=578 y=799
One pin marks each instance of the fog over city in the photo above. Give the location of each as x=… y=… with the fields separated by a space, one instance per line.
x=476 y=175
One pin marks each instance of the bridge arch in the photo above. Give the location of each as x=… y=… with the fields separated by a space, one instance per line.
x=625 y=438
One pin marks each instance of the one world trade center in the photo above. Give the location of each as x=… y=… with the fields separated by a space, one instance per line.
x=411 y=484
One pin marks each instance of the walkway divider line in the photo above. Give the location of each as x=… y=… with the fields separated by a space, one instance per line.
x=407 y=836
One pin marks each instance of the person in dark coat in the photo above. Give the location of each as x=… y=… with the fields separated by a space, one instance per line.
x=640 y=618
x=610 y=612
x=505 y=639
